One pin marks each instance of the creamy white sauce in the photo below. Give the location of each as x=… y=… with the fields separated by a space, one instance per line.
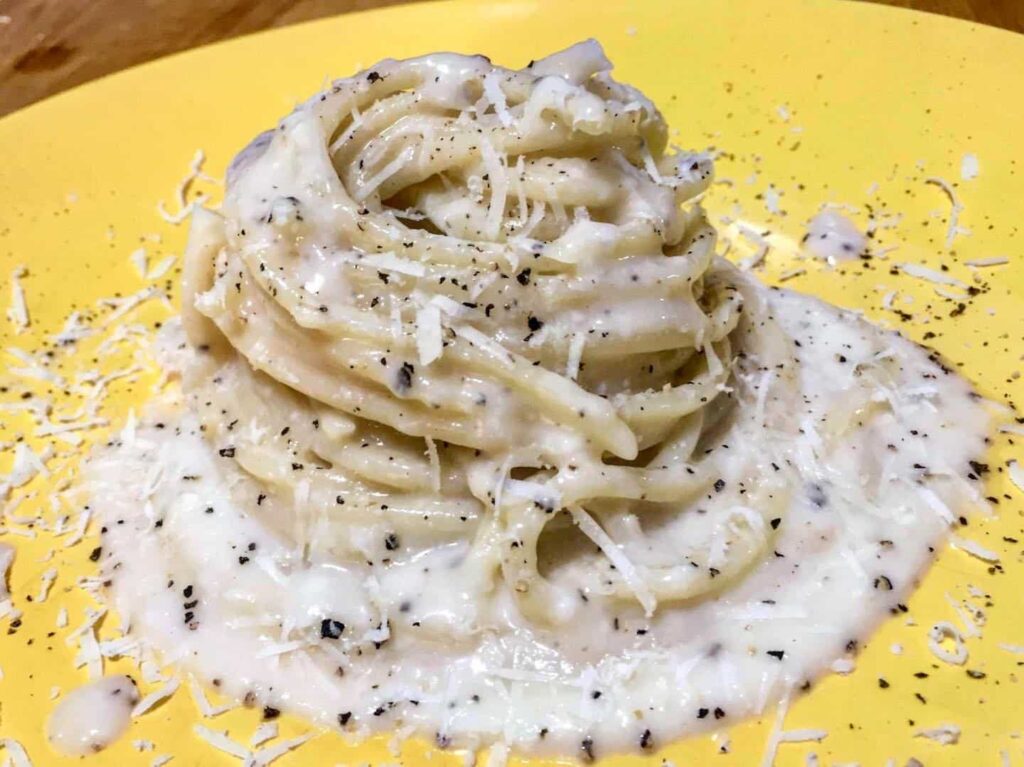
x=834 y=237
x=92 y=717
x=861 y=526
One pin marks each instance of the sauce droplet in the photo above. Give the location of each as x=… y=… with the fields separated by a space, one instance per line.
x=92 y=717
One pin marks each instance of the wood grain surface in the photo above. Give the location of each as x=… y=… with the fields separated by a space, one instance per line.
x=47 y=46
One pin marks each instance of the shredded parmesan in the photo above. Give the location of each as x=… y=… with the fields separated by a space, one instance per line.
x=974 y=548
x=954 y=227
x=203 y=704
x=1016 y=474
x=589 y=527
x=18 y=311
x=969 y=167
x=161 y=268
x=155 y=698
x=435 y=465
x=16 y=752
x=45 y=584
x=496 y=97
x=946 y=734
x=429 y=344
x=498 y=179
x=266 y=731
x=944 y=630
x=221 y=742
x=924 y=273
x=572 y=363
x=139 y=261
x=390 y=169
x=983 y=262
x=271 y=754
x=802 y=736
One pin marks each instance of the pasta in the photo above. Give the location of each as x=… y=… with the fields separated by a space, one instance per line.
x=539 y=216
x=478 y=436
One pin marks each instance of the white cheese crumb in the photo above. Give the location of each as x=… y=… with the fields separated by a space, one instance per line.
x=139 y=261
x=843 y=665
x=954 y=228
x=16 y=752
x=944 y=630
x=931 y=275
x=983 y=262
x=969 y=167
x=18 y=311
x=203 y=703
x=45 y=584
x=266 y=731
x=974 y=548
x=946 y=734
x=1016 y=473
x=221 y=742
x=161 y=268
x=157 y=696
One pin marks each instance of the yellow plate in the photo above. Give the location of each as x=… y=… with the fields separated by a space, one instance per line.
x=824 y=101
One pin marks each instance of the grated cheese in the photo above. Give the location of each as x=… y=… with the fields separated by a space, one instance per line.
x=45 y=584
x=91 y=618
x=139 y=261
x=271 y=754
x=803 y=736
x=1016 y=473
x=974 y=548
x=16 y=752
x=18 y=311
x=945 y=734
x=203 y=703
x=589 y=527
x=388 y=262
x=155 y=698
x=772 y=745
x=429 y=343
x=993 y=261
x=498 y=180
x=266 y=731
x=161 y=268
x=89 y=655
x=969 y=167
x=221 y=742
x=945 y=630
x=954 y=228
x=390 y=169
x=931 y=275
x=496 y=97
x=435 y=465
x=572 y=363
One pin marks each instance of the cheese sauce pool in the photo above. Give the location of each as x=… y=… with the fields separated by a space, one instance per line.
x=872 y=493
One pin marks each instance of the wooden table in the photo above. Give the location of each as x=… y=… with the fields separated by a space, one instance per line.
x=47 y=46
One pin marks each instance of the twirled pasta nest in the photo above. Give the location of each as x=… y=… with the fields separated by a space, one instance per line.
x=447 y=302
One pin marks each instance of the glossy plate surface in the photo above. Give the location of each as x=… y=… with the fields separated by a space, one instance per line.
x=813 y=101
